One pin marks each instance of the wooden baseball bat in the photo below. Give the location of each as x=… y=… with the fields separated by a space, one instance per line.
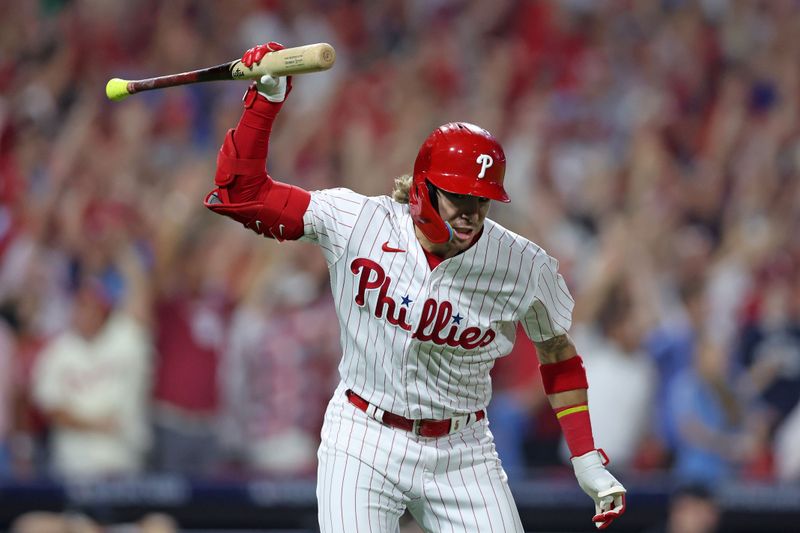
x=286 y=62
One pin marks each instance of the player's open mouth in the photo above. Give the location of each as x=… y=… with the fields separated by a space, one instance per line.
x=463 y=233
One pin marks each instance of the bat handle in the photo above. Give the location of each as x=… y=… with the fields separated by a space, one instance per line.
x=118 y=89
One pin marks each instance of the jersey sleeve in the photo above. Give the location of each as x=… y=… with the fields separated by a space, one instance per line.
x=330 y=218
x=550 y=314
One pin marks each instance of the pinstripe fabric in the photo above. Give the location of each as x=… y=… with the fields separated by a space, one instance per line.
x=420 y=343
x=369 y=474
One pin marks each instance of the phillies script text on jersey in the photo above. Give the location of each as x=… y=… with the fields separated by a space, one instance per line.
x=418 y=341
x=435 y=315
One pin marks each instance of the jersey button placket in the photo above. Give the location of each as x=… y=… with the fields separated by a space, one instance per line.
x=435 y=279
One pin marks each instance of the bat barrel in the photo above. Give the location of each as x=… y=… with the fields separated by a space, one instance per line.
x=288 y=62
x=305 y=59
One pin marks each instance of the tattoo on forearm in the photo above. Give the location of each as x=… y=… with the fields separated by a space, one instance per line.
x=555 y=349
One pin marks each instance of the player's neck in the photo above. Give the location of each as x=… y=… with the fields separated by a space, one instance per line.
x=444 y=250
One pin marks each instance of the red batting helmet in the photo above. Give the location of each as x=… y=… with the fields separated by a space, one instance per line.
x=459 y=158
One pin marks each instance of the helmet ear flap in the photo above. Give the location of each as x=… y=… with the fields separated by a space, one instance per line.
x=425 y=213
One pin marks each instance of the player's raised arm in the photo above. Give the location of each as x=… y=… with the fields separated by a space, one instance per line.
x=244 y=191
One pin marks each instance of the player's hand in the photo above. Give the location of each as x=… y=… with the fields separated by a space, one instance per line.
x=273 y=88
x=608 y=493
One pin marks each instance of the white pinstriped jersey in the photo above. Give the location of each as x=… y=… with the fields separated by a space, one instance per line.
x=419 y=342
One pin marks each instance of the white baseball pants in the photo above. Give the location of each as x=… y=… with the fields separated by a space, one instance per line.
x=370 y=473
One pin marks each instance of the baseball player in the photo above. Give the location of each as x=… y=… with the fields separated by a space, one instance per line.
x=428 y=293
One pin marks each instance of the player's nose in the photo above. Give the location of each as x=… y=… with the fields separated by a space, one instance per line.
x=469 y=205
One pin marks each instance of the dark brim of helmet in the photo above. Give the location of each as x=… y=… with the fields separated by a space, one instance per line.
x=456 y=184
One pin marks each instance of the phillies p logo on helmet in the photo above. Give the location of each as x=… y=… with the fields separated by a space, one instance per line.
x=485 y=161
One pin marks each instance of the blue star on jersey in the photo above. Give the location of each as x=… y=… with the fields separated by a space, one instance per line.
x=406 y=300
x=457 y=318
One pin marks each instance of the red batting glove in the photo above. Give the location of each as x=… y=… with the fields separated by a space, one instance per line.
x=255 y=54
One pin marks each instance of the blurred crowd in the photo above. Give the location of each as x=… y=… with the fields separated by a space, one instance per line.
x=653 y=148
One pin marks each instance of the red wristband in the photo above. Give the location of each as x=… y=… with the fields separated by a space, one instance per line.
x=577 y=428
x=565 y=375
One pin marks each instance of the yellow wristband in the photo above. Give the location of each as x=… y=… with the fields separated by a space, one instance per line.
x=571 y=410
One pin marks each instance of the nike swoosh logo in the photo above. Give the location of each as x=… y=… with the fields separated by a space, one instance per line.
x=387 y=248
x=280 y=229
x=258 y=226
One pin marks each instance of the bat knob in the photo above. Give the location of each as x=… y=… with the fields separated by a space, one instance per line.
x=117 y=89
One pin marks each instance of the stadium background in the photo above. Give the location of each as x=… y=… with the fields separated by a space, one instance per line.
x=653 y=147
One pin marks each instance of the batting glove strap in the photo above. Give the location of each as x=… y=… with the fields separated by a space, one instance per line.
x=608 y=493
